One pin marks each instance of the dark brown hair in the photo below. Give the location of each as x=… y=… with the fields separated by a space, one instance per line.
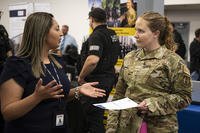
x=98 y=14
x=197 y=32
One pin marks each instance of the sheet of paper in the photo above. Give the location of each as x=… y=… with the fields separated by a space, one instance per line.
x=118 y=104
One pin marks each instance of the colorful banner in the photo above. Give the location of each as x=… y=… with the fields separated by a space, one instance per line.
x=121 y=17
x=124 y=31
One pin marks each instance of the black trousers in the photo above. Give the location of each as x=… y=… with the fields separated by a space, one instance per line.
x=94 y=116
x=2 y=123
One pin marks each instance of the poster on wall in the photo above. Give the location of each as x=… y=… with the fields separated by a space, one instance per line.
x=17 y=17
x=20 y=11
x=121 y=17
x=120 y=13
x=18 y=14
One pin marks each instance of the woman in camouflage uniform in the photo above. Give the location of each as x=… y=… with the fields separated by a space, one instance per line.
x=155 y=77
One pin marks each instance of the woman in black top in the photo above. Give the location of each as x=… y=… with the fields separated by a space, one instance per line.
x=5 y=51
x=5 y=48
x=33 y=83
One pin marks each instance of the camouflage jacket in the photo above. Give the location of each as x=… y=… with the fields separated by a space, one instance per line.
x=161 y=79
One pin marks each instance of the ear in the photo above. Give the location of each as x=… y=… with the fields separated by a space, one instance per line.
x=156 y=33
x=92 y=19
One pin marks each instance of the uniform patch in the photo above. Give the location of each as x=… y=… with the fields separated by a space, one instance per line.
x=94 y=47
x=114 y=38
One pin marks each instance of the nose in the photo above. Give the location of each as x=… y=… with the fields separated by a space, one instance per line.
x=61 y=33
x=136 y=35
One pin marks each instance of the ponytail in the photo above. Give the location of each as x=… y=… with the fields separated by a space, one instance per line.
x=168 y=36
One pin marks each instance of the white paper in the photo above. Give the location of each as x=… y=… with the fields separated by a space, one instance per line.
x=124 y=103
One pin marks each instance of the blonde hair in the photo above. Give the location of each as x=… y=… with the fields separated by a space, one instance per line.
x=158 y=22
x=36 y=28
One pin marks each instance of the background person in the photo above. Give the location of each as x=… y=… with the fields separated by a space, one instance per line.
x=5 y=51
x=66 y=40
x=33 y=83
x=5 y=47
x=99 y=55
x=195 y=56
x=153 y=76
x=129 y=17
x=181 y=49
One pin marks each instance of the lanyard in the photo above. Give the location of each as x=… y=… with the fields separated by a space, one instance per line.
x=58 y=79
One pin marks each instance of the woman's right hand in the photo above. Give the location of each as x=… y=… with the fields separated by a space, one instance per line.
x=51 y=90
x=88 y=90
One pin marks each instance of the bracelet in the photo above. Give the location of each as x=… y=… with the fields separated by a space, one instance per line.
x=76 y=93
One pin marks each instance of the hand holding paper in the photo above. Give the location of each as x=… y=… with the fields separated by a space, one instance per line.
x=118 y=104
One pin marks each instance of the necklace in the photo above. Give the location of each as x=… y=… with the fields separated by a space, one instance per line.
x=58 y=79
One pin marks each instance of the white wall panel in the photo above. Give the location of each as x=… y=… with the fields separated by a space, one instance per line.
x=71 y=12
x=181 y=2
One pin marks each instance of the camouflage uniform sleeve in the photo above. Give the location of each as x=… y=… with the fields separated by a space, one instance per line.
x=113 y=115
x=180 y=96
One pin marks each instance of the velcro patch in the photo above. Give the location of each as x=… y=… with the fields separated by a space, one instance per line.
x=94 y=47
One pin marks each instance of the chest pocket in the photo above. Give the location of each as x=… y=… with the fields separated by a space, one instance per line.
x=140 y=71
x=147 y=68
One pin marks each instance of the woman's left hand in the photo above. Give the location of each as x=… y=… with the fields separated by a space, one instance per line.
x=88 y=90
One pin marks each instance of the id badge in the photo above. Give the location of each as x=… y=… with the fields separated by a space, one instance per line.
x=59 y=120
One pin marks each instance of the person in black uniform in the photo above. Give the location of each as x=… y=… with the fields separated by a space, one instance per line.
x=5 y=51
x=195 y=56
x=33 y=83
x=99 y=55
x=5 y=48
x=181 y=49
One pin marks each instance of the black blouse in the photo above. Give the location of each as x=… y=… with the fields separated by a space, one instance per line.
x=41 y=118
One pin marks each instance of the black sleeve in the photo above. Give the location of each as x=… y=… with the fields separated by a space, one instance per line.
x=8 y=46
x=181 y=45
x=96 y=44
x=194 y=50
x=16 y=68
x=181 y=50
x=178 y=38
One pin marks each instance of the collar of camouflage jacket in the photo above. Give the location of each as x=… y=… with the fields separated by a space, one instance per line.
x=155 y=54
